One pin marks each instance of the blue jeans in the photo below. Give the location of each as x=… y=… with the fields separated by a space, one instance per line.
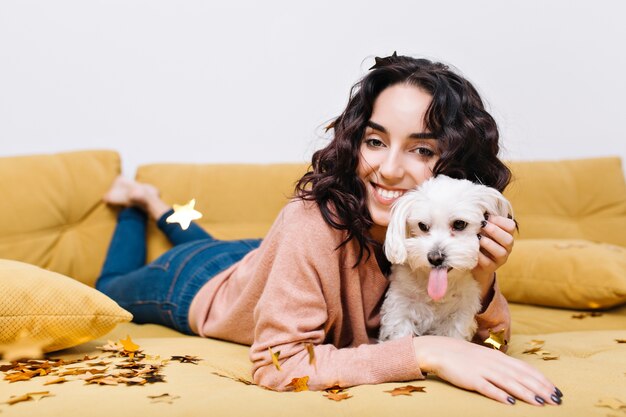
x=161 y=292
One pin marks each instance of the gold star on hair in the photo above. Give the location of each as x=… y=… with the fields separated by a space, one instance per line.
x=496 y=340
x=381 y=62
x=184 y=214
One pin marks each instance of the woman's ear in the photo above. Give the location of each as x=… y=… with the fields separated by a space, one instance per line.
x=395 y=248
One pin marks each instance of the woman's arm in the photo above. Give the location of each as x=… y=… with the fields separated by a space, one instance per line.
x=478 y=368
x=313 y=296
x=496 y=244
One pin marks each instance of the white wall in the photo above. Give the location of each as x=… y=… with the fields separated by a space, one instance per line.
x=251 y=81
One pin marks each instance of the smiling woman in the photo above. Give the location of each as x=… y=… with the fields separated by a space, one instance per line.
x=312 y=281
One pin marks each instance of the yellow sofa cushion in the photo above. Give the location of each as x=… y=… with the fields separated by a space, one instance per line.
x=236 y=200
x=55 y=217
x=564 y=273
x=49 y=309
x=570 y=199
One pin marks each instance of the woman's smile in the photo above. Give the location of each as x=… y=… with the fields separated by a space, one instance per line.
x=386 y=195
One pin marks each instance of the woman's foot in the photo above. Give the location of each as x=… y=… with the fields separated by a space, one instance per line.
x=126 y=192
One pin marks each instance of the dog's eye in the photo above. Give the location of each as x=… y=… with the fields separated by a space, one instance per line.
x=459 y=225
x=423 y=227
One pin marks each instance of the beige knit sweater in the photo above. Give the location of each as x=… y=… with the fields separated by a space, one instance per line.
x=296 y=288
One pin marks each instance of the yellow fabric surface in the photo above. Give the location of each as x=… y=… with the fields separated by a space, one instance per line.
x=529 y=319
x=570 y=199
x=53 y=310
x=236 y=200
x=565 y=273
x=52 y=214
x=590 y=367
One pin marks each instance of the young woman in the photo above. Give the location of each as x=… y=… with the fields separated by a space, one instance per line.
x=319 y=276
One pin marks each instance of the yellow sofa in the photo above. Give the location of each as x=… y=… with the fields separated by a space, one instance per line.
x=566 y=281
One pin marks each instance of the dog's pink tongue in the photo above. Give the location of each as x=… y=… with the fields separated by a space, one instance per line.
x=437 y=283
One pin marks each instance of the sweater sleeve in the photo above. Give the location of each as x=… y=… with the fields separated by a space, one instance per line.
x=496 y=317
x=302 y=286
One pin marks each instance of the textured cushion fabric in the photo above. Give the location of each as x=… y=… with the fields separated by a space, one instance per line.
x=590 y=366
x=236 y=200
x=52 y=213
x=51 y=309
x=565 y=273
x=570 y=199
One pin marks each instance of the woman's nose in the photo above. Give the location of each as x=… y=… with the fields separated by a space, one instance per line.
x=392 y=166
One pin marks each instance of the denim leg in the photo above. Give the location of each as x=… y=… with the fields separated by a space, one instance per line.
x=127 y=250
x=177 y=235
x=161 y=292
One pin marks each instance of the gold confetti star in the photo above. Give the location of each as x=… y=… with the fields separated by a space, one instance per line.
x=612 y=403
x=25 y=345
x=311 y=351
x=184 y=214
x=299 y=384
x=275 y=357
x=337 y=397
x=406 y=390
x=496 y=340
x=163 y=398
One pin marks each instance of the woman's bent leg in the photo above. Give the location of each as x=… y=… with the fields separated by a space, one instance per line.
x=162 y=291
x=127 y=250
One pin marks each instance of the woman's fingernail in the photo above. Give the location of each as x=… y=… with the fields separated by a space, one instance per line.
x=555 y=398
x=508 y=216
x=479 y=237
x=540 y=400
x=511 y=400
x=486 y=215
x=558 y=392
x=483 y=223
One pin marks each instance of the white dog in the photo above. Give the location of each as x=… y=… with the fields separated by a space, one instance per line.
x=432 y=242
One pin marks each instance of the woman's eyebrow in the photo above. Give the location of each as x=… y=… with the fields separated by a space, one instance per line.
x=420 y=135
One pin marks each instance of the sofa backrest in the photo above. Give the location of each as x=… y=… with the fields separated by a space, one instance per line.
x=51 y=210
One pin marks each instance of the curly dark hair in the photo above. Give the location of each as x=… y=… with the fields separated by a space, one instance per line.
x=466 y=133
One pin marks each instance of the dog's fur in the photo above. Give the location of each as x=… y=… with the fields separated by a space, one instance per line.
x=422 y=223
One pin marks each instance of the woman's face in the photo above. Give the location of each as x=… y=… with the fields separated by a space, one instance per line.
x=394 y=159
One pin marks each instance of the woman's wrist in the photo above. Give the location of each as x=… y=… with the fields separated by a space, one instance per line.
x=485 y=282
x=486 y=294
x=426 y=353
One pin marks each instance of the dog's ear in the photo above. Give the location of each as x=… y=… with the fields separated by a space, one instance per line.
x=395 y=249
x=497 y=203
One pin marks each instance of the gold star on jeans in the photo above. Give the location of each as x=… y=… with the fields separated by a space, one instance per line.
x=184 y=214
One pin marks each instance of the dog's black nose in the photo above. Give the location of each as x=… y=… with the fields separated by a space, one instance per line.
x=435 y=258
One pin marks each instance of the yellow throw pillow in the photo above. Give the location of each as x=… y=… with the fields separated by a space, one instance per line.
x=51 y=309
x=577 y=274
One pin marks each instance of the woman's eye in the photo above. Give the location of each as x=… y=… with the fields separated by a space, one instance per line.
x=423 y=227
x=374 y=143
x=424 y=152
x=459 y=225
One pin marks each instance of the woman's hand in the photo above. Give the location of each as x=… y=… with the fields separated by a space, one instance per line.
x=487 y=371
x=496 y=244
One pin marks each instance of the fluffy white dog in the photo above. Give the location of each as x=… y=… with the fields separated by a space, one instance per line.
x=432 y=242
